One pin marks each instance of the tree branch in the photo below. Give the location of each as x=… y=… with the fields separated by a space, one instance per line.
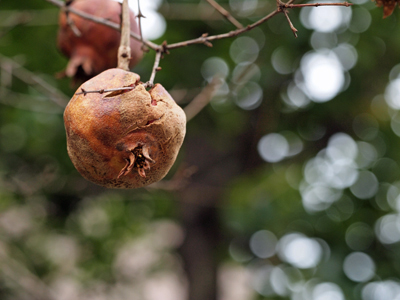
x=156 y=68
x=32 y=79
x=180 y=179
x=124 y=50
x=72 y=25
x=140 y=16
x=225 y=13
x=84 y=92
x=294 y=30
x=202 y=99
x=148 y=84
x=288 y=5
x=204 y=39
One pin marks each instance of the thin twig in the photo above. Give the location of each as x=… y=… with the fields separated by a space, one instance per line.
x=32 y=79
x=124 y=50
x=27 y=102
x=101 y=21
x=148 y=84
x=180 y=179
x=204 y=39
x=156 y=68
x=294 y=30
x=28 y=283
x=72 y=25
x=288 y=5
x=202 y=99
x=140 y=16
x=70 y=22
x=225 y=13
x=84 y=92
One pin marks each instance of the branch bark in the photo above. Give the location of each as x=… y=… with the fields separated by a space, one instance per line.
x=124 y=50
x=202 y=99
x=140 y=16
x=225 y=13
x=156 y=68
x=204 y=39
x=32 y=79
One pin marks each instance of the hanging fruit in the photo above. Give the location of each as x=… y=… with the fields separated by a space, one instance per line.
x=388 y=6
x=93 y=47
x=127 y=138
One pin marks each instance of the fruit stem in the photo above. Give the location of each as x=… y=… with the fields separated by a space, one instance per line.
x=150 y=83
x=124 y=50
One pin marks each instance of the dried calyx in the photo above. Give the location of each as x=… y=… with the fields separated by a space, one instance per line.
x=138 y=158
x=126 y=138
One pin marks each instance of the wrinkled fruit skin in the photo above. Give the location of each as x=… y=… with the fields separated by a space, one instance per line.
x=124 y=139
x=96 y=49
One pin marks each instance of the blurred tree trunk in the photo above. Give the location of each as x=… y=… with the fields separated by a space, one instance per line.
x=199 y=248
x=200 y=201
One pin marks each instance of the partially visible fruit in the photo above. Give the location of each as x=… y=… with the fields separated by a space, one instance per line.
x=96 y=49
x=388 y=6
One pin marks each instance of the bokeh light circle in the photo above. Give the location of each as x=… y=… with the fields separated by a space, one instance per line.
x=387 y=229
x=244 y=49
x=273 y=147
x=263 y=243
x=154 y=24
x=366 y=185
x=392 y=94
x=249 y=96
x=381 y=290
x=327 y=291
x=214 y=66
x=359 y=267
x=300 y=251
x=359 y=236
x=322 y=75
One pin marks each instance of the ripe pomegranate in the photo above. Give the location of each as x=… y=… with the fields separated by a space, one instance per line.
x=95 y=50
x=123 y=139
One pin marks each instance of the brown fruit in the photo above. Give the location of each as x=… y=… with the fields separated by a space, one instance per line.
x=388 y=6
x=96 y=49
x=126 y=138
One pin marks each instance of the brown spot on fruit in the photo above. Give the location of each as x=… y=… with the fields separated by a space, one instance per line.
x=96 y=49
x=123 y=141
